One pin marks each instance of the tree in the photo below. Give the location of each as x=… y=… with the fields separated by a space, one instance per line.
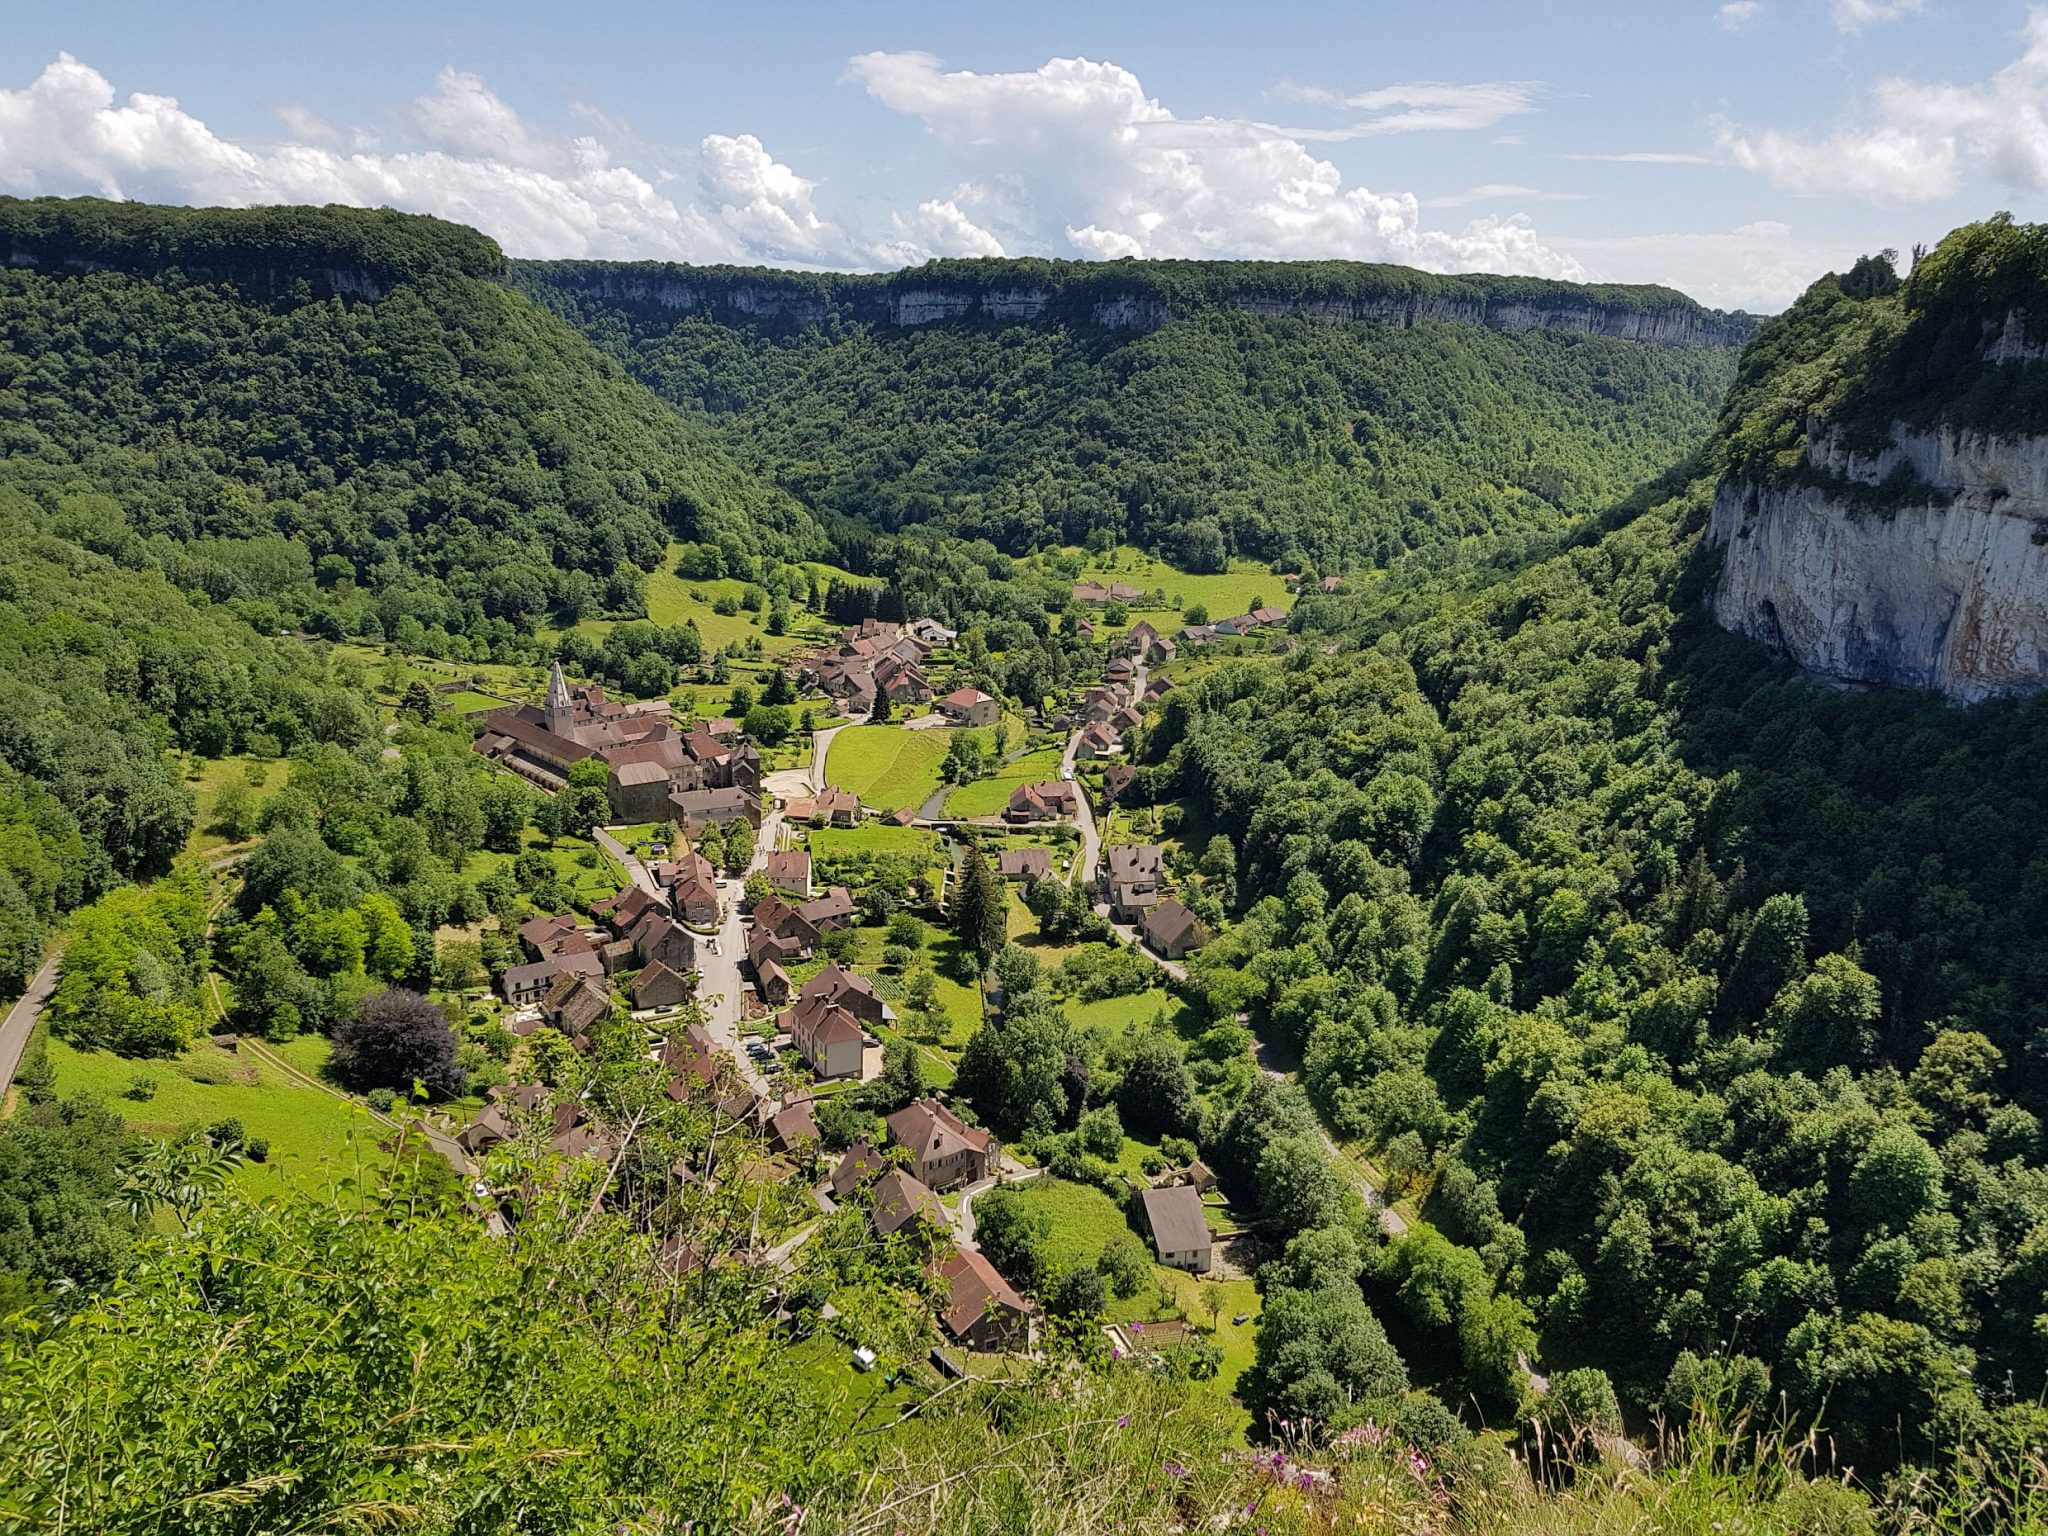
x=769 y=724
x=739 y=846
x=1011 y=1235
x=711 y=843
x=1125 y=1264
x=1015 y=1071
x=1829 y=1015
x=178 y=1174
x=980 y=915
x=62 y=1231
x=236 y=811
x=1157 y=1095
x=1078 y=1293
x=901 y=1082
x=394 y=1039
x=843 y=1120
x=1298 y=1189
x=921 y=999
x=1101 y=1133
x=1318 y=1352
x=417 y=703
x=505 y=807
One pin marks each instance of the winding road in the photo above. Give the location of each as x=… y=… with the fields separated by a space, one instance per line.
x=21 y=1019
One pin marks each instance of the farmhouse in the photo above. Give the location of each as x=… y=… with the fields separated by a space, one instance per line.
x=1026 y=863
x=790 y=870
x=827 y=1036
x=982 y=1311
x=574 y=1003
x=836 y=807
x=1133 y=880
x=857 y=1165
x=525 y=984
x=695 y=809
x=1172 y=931
x=1180 y=1233
x=842 y=988
x=793 y=1127
x=659 y=987
x=1097 y=740
x=944 y=1150
x=1042 y=802
x=899 y=1199
x=969 y=706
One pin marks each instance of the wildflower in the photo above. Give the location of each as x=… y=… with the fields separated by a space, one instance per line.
x=1137 y=1327
x=1174 y=1470
x=1123 y=1421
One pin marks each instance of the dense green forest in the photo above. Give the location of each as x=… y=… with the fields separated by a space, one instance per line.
x=1219 y=434
x=339 y=420
x=1701 y=1003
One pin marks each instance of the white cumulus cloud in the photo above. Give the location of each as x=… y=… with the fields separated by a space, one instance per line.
x=471 y=157
x=1739 y=14
x=1913 y=142
x=1078 y=150
x=1855 y=15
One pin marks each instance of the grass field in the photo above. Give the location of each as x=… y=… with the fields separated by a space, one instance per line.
x=1083 y=1219
x=828 y=844
x=1224 y=594
x=468 y=701
x=887 y=767
x=315 y=1138
x=672 y=599
x=1120 y=1014
x=206 y=777
x=987 y=797
x=584 y=867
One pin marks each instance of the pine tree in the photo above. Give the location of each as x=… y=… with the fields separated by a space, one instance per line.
x=979 y=918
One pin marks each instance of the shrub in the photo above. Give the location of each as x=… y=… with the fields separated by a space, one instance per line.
x=381 y=1100
x=141 y=1088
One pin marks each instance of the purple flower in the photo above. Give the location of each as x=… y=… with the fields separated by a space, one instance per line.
x=1123 y=1421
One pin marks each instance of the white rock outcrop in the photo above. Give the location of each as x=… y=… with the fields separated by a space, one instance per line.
x=1947 y=590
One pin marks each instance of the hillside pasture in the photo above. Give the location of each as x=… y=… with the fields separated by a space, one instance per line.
x=887 y=767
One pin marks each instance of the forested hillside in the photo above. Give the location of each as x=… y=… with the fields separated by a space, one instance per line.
x=1207 y=432
x=340 y=420
x=1700 y=1004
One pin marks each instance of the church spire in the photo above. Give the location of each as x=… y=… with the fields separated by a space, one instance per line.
x=557 y=707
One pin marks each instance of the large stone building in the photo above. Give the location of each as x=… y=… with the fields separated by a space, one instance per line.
x=647 y=758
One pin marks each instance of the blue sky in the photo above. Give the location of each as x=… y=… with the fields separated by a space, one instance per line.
x=1734 y=150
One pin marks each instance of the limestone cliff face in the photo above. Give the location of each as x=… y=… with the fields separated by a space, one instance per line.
x=1942 y=586
x=905 y=301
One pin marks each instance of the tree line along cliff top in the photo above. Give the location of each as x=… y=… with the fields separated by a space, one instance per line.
x=388 y=246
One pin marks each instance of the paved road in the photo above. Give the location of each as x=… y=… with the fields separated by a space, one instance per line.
x=719 y=987
x=21 y=1018
x=821 y=747
x=1088 y=865
x=1012 y=1172
x=633 y=867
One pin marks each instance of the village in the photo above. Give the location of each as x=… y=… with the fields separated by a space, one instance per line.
x=751 y=970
